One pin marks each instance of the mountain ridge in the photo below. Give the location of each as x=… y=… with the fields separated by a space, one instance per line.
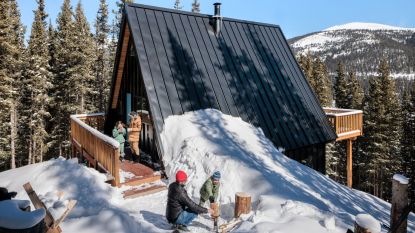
x=361 y=46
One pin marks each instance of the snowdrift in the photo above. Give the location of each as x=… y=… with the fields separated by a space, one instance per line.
x=288 y=197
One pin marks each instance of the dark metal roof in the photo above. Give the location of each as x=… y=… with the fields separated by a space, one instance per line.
x=247 y=71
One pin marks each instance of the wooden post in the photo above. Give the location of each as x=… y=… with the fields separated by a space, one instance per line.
x=349 y=163
x=399 y=203
x=242 y=204
x=116 y=166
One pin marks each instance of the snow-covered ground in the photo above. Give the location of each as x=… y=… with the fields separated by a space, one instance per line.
x=287 y=196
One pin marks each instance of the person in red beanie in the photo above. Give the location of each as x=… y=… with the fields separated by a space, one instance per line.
x=181 y=210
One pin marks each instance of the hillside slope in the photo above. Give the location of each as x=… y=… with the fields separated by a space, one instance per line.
x=287 y=196
x=361 y=46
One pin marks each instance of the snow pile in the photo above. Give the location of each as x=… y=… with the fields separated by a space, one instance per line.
x=98 y=204
x=366 y=26
x=54 y=202
x=368 y=222
x=12 y=217
x=401 y=179
x=287 y=196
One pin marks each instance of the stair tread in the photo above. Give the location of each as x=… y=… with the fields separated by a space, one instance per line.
x=131 y=193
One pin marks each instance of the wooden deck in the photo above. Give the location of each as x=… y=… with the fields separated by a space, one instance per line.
x=101 y=152
x=145 y=181
x=348 y=124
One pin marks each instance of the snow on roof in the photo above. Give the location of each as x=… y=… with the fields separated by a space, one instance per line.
x=401 y=179
x=12 y=217
x=366 y=26
x=368 y=222
x=95 y=132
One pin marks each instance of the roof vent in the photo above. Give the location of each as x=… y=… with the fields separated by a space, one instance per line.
x=217 y=18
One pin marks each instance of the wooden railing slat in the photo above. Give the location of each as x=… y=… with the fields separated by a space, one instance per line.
x=101 y=151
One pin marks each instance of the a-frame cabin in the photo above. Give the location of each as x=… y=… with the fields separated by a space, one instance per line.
x=169 y=62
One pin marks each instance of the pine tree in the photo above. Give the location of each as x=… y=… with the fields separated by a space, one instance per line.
x=382 y=133
x=407 y=140
x=336 y=153
x=409 y=159
x=196 y=6
x=306 y=65
x=63 y=91
x=355 y=92
x=102 y=62
x=323 y=86
x=35 y=87
x=177 y=5
x=11 y=49
x=340 y=88
x=82 y=81
x=355 y=101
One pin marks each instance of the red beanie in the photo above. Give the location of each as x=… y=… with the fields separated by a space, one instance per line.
x=181 y=176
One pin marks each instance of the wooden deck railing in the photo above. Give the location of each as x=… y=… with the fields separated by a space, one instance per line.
x=99 y=149
x=348 y=123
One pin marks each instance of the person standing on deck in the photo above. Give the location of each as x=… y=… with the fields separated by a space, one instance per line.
x=210 y=189
x=181 y=210
x=119 y=134
x=134 y=134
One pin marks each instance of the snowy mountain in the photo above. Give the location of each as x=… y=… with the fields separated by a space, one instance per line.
x=360 y=46
x=288 y=197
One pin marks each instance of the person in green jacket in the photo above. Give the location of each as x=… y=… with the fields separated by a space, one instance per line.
x=119 y=133
x=210 y=189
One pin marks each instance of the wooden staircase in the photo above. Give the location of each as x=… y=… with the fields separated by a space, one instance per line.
x=144 y=181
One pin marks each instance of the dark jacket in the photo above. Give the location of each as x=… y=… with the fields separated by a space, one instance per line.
x=178 y=201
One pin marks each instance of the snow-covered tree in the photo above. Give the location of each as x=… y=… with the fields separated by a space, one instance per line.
x=63 y=91
x=340 y=87
x=11 y=50
x=306 y=64
x=323 y=86
x=82 y=83
x=177 y=5
x=408 y=137
x=196 y=6
x=35 y=87
x=102 y=62
x=355 y=92
x=382 y=133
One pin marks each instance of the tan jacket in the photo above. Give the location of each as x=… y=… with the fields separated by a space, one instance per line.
x=134 y=129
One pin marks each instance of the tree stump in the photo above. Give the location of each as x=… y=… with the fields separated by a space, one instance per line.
x=242 y=204
x=399 y=203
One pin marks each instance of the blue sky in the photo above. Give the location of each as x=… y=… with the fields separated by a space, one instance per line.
x=296 y=17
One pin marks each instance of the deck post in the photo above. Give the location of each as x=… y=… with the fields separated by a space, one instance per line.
x=349 y=163
x=399 y=208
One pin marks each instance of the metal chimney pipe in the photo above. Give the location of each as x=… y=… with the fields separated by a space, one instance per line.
x=217 y=18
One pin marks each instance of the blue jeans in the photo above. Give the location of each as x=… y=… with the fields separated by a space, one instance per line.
x=185 y=218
